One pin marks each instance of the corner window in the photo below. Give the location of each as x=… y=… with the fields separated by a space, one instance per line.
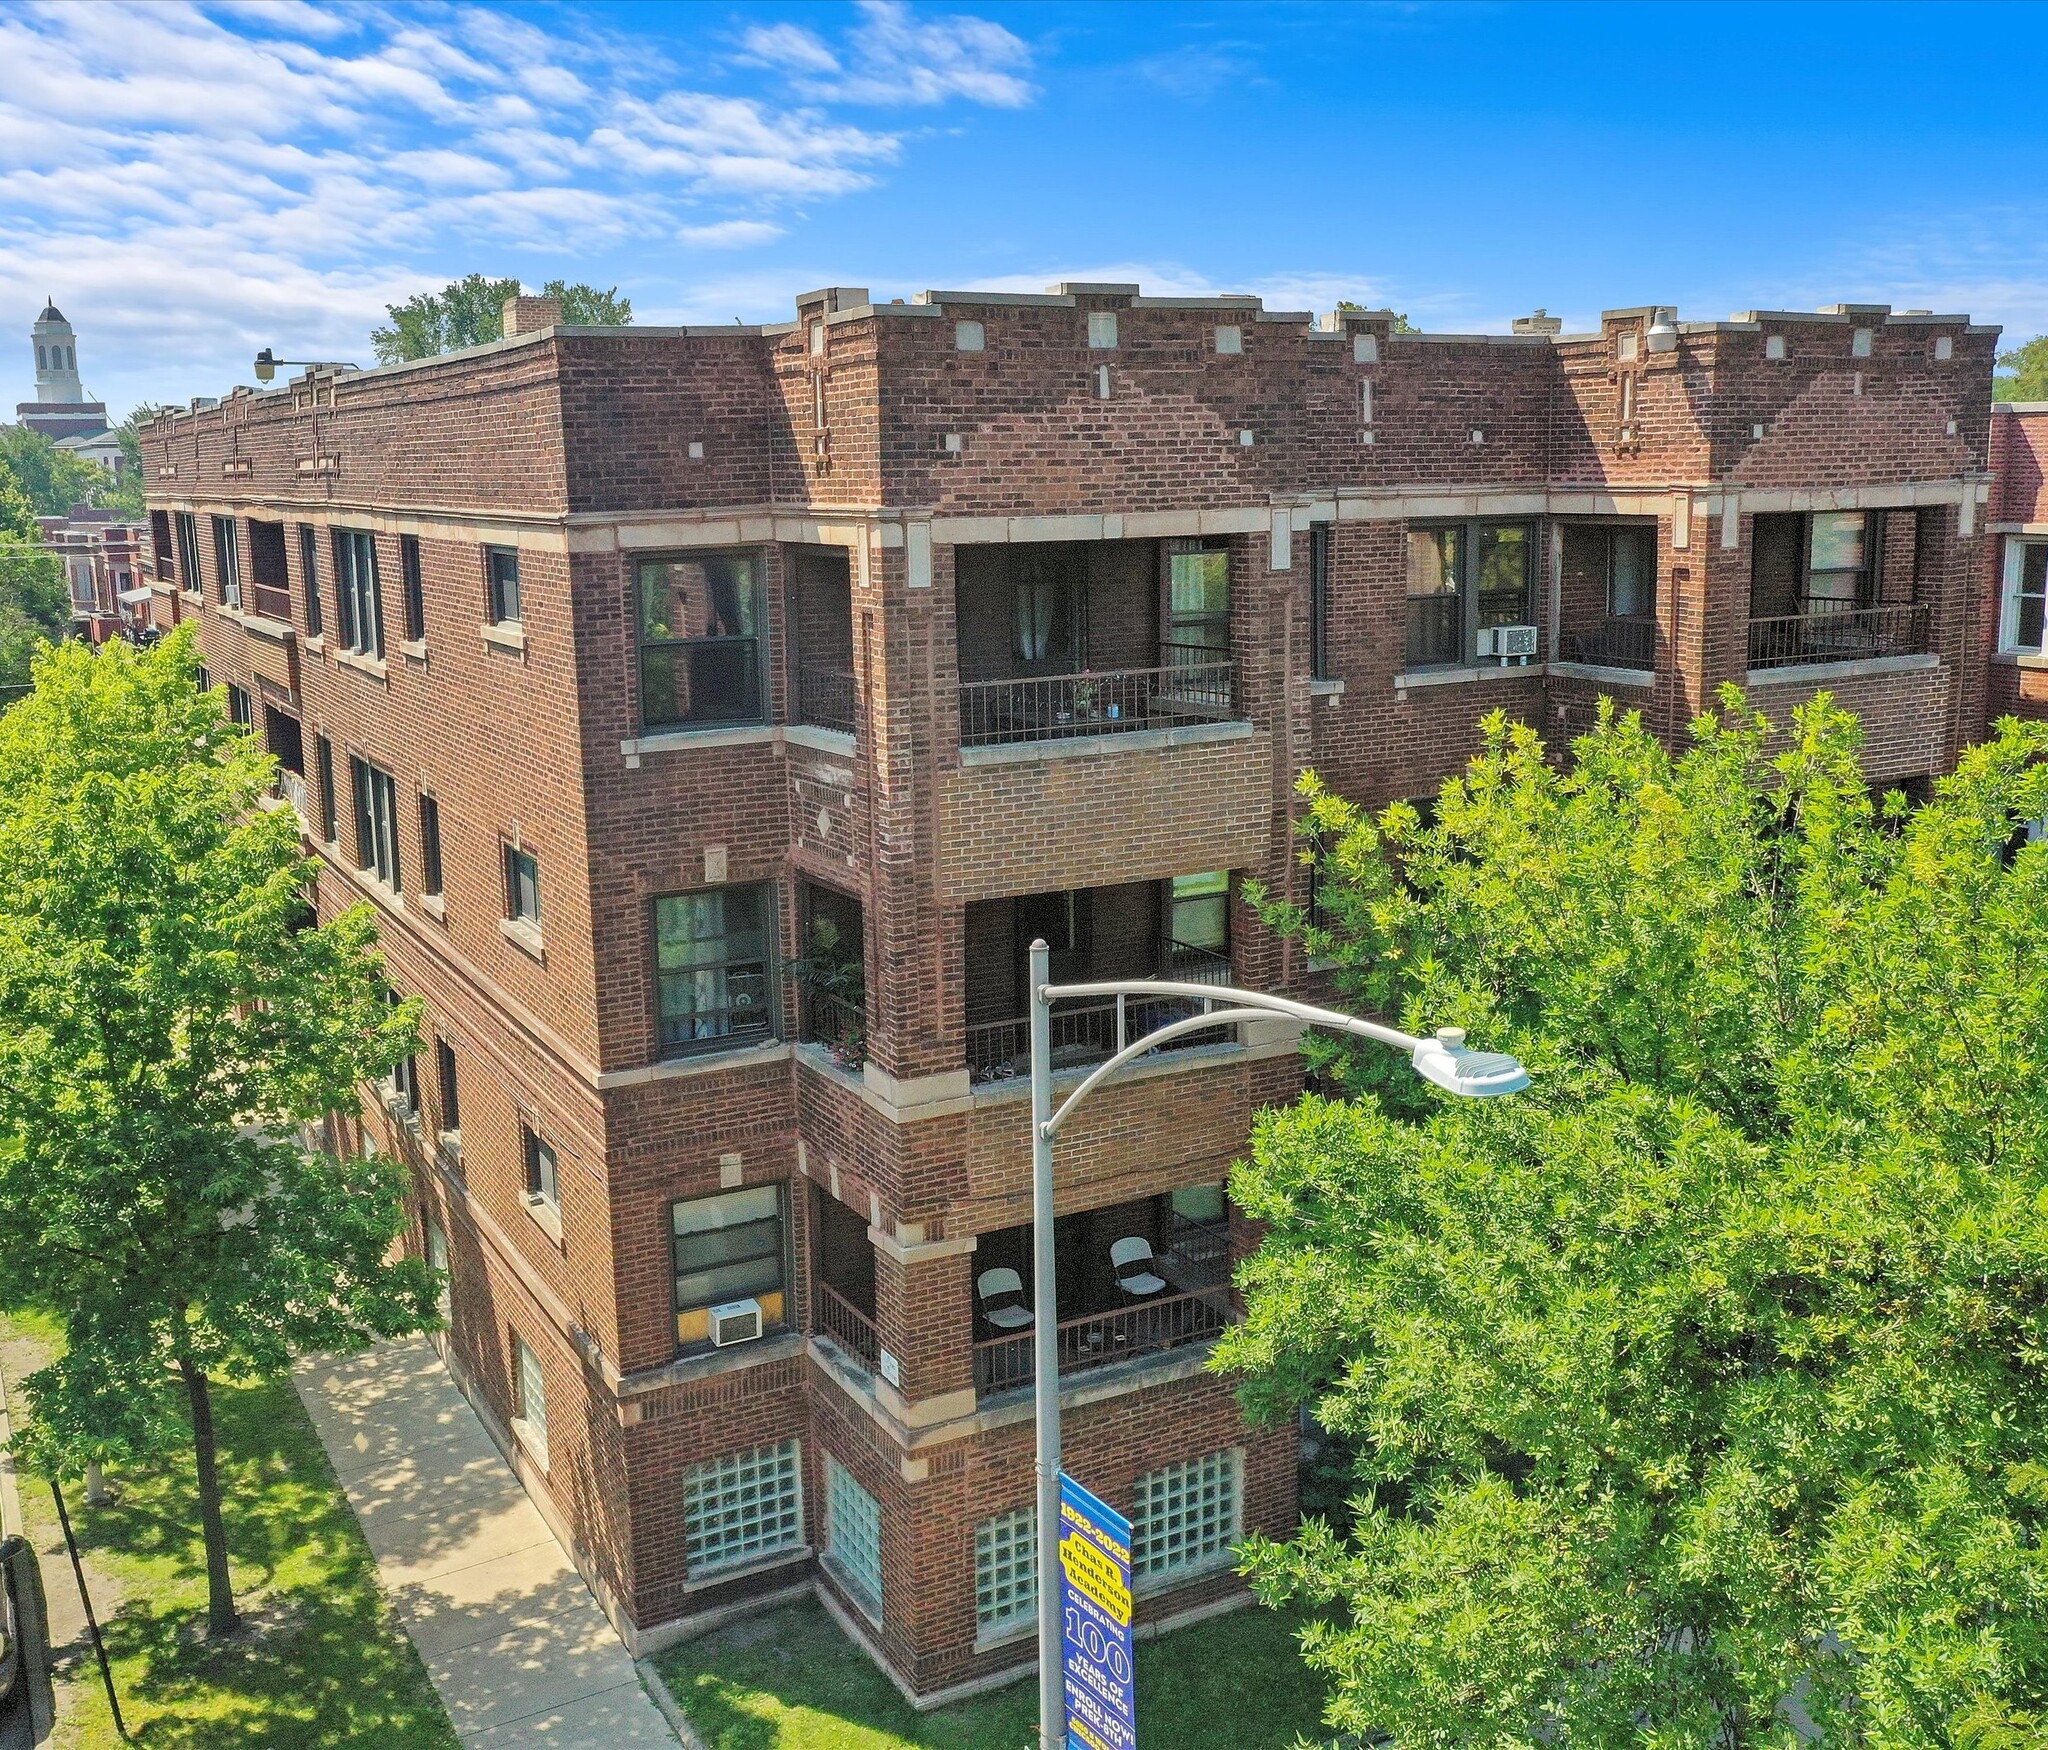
x=2021 y=618
x=227 y=556
x=701 y=623
x=522 y=886
x=730 y=1247
x=415 y=588
x=356 y=592
x=309 y=564
x=502 y=567
x=1464 y=580
x=376 y=807
x=543 y=1183
x=714 y=973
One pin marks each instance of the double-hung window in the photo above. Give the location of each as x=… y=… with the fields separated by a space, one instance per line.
x=376 y=806
x=430 y=845
x=188 y=553
x=241 y=709
x=1813 y=565
x=309 y=564
x=160 y=545
x=501 y=565
x=330 y=806
x=1319 y=602
x=700 y=626
x=227 y=555
x=522 y=886
x=2025 y=606
x=733 y=1246
x=356 y=592
x=543 y=1179
x=405 y=1078
x=714 y=970
x=415 y=587
x=451 y=1087
x=1464 y=578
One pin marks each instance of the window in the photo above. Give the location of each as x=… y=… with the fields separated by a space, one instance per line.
x=1806 y=565
x=1491 y=566
x=543 y=1181
x=2026 y=591
x=437 y=1261
x=700 y=640
x=1319 y=601
x=240 y=707
x=1006 y=1571
x=522 y=886
x=415 y=590
x=356 y=593
x=853 y=1536
x=729 y=1247
x=430 y=845
x=1101 y=328
x=743 y=1508
x=1631 y=573
x=309 y=563
x=532 y=1421
x=227 y=555
x=1197 y=602
x=1185 y=1517
x=160 y=544
x=376 y=805
x=451 y=1091
x=1198 y=911
x=405 y=1078
x=330 y=807
x=969 y=337
x=1229 y=340
x=188 y=551
x=713 y=971
x=502 y=565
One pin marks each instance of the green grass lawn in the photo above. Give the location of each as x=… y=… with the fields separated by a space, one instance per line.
x=789 y=1680
x=323 y=1663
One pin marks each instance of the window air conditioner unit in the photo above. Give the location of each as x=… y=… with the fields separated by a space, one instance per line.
x=737 y=1321
x=1509 y=643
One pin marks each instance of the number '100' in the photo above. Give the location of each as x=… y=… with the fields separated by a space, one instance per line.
x=1088 y=1636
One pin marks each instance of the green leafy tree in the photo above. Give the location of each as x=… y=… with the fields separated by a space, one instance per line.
x=471 y=311
x=2022 y=373
x=172 y=1026
x=1699 y=1391
x=35 y=609
x=129 y=494
x=54 y=479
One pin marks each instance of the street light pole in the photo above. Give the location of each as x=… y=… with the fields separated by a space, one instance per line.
x=1443 y=1059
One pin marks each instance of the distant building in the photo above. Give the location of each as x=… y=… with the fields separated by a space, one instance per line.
x=103 y=569
x=60 y=410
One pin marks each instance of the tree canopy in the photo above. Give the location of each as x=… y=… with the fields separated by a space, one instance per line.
x=53 y=479
x=471 y=311
x=1698 y=1392
x=2022 y=372
x=172 y=1025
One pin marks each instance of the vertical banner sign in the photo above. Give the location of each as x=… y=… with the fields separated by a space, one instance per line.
x=1095 y=1617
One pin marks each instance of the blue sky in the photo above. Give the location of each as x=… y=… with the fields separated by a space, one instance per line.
x=194 y=182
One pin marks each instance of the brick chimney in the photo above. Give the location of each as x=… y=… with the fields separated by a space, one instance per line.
x=523 y=314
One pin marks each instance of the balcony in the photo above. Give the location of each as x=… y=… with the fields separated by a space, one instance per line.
x=1062 y=639
x=831 y=975
x=1176 y=1296
x=1828 y=631
x=1138 y=930
x=843 y=1267
x=826 y=699
x=1616 y=641
x=821 y=616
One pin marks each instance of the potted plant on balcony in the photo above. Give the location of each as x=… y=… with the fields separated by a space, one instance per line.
x=833 y=970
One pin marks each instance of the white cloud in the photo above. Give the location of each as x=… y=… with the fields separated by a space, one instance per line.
x=195 y=181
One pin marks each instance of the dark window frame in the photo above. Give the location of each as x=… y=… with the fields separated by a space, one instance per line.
x=1319 y=602
x=161 y=543
x=750 y=670
x=190 y=577
x=543 y=1168
x=447 y=1075
x=358 y=593
x=765 y=1012
x=413 y=588
x=1472 y=613
x=430 y=844
x=375 y=794
x=1189 y=637
x=309 y=563
x=519 y=882
x=330 y=799
x=227 y=556
x=501 y=586
x=241 y=706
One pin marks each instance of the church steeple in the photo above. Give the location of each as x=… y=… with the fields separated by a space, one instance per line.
x=56 y=359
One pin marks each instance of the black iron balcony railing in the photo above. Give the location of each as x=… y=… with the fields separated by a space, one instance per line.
x=825 y=698
x=1195 y=687
x=1100 y=1339
x=833 y=1021
x=1089 y=1032
x=849 y=1327
x=1618 y=641
x=1838 y=632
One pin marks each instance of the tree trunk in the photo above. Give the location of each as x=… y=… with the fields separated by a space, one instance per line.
x=96 y=1494
x=222 y=1618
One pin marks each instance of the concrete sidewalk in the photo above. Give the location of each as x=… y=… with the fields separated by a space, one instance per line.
x=517 y=1647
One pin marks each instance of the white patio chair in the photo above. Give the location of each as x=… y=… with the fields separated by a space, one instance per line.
x=1002 y=1299
x=1131 y=1258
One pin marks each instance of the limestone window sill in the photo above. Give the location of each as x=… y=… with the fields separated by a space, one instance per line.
x=1467 y=674
x=316 y=642
x=387 y=896
x=546 y=1216
x=787 y=1558
x=413 y=649
x=1326 y=689
x=509 y=635
x=369 y=665
x=435 y=907
x=530 y=1442
x=449 y=1146
x=523 y=936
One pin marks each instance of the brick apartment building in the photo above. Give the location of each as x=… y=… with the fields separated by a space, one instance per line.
x=713 y=715
x=106 y=569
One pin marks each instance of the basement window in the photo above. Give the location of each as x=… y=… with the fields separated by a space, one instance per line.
x=743 y=1508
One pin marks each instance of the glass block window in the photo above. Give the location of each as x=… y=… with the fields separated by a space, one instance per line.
x=743 y=1508
x=853 y=1535
x=1185 y=1517
x=533 y=1400
x=1006 y=1570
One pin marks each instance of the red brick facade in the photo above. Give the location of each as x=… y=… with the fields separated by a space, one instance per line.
x=933 y=496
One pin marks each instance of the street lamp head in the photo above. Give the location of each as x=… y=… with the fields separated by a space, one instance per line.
x=1476 y=1075
x=266 y=365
